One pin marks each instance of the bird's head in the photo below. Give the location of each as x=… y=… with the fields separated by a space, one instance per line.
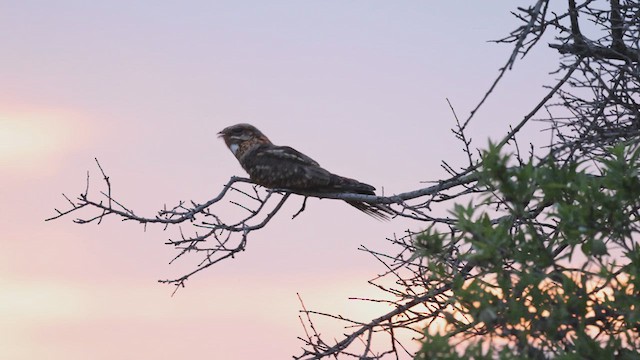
x=241 y=137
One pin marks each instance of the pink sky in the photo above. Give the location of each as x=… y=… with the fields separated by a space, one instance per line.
x=359 y=86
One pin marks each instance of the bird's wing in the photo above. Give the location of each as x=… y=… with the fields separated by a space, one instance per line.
x=288 y=153
x=285 y=168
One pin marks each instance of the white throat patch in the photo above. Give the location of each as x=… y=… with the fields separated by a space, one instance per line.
x=234 y=148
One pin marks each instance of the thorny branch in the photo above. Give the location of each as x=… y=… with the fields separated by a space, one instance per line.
x=223 y=239
x=597 y=98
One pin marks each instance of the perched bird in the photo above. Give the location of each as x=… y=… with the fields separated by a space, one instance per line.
x=283 y=167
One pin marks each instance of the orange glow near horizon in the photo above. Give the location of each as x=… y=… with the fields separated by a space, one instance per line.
x=30 y=139
x=599 y=291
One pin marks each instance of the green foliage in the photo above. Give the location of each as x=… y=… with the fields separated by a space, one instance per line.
x=547 y=264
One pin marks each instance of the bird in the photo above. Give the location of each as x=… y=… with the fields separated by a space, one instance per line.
x=285 y=168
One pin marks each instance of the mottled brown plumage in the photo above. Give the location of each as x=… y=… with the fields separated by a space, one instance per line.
x=283 y=167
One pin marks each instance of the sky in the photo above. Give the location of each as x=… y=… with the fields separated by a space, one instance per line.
x=144 y=86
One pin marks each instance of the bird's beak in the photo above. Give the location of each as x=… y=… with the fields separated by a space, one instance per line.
x=221 y=134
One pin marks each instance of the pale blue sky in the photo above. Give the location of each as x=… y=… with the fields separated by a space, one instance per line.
x=145 y=86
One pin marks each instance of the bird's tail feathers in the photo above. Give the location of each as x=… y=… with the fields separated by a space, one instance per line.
x=341 y=183
x=378 y=211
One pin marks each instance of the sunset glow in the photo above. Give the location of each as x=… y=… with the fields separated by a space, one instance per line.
x=34 y=139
